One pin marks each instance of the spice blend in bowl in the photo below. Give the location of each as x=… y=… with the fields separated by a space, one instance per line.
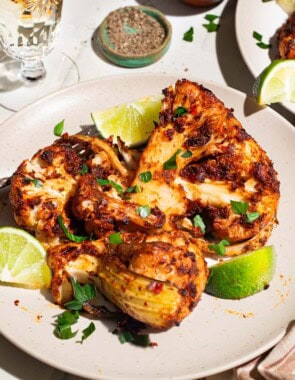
x=134 y=36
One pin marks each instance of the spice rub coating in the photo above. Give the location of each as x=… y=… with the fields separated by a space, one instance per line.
x=42 y=188
x=157 y=279
x=216 y=161
x=286 y=38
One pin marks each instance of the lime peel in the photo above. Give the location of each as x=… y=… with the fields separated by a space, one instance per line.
x=276 y=83
x=133 y=122
x=242 y=276
x=22 y=259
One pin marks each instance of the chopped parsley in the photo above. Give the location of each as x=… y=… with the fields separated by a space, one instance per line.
x=180 y=111
x=87 y=332
x=82 y=293
x=257 y=36
x=189 y=35
x=58 y=129
x=70 y=235
x=143 y=211
x=36 y=182
x=211 y=26
x=136 y=339
x=84 y=169
x=241 y=208
x=65 y=320
x=145 y=176
x=187 y=154
x=199 y=222
x=219 y=248
x=115 y=238
x=171 y=163
x=109 y=182
x=133 y=189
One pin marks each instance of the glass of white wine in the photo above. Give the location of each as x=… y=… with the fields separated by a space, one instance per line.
x=28 y=32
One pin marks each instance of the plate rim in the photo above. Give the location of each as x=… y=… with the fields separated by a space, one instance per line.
x=207 y=83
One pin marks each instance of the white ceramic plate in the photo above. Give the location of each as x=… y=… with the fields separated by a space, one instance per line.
x=219 y=334
x=264 y=18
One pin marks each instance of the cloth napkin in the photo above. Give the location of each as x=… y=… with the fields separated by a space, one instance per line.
x=277 y=364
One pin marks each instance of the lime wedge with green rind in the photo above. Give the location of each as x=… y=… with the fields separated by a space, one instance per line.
x=22 y=259
x=133 y=122
x=242 y=276
x=276 y=83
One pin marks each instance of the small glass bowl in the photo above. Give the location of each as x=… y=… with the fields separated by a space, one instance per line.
x=125 y=60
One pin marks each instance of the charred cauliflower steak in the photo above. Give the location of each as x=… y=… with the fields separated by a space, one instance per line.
x=198 y=163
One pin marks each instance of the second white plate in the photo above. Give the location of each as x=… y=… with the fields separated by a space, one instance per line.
x=264 y=18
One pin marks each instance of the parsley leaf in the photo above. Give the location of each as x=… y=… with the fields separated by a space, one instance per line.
x=211 y=26
x=84 y=169
x=115 y=238
x=251 y=216
x=69 y=235
x=219 y=247
x=239 y=207
x=82 y=293
x=63 y=324
x=145 y=176
x=137 y=339
x=199 y=222
x=171 y=163
x=189 y=35
x=143 y=211
x=87 y=332
x=36 y=182
x=109 y=182
x=133 y=189
x=180 y=111
x=58 y=129
x=257 y=36
x=187 y=154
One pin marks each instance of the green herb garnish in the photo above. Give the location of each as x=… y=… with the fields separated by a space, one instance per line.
x=69 y=235
x=199 y=222
x=180 y=111
x=211 y=26
x=143 y=211
x=82 y=293
x=109 y=182
x=84 y=169
x=115 y=238
x=187 y=154
x=87 y=332
x=219 y=248
x=133 y=189
x=58 y=129
x=251 y=216
x=257 y=36
x=145 y=176
x=171 y=163
x=241 y=208
x=63 y=324
x=189 y=35
x=136 y=339
x=36 y=182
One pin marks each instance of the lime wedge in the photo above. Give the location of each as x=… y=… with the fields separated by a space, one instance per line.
x=242 y=276
x=276 y=83
x=133 y=122
x=22 y=259
x=287 y=5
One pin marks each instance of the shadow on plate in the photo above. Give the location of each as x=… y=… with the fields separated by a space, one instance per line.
x=234 y=70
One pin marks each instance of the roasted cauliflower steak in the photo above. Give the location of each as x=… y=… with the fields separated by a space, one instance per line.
x=198 y=162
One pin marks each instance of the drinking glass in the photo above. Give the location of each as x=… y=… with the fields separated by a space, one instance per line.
x=28 y=29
